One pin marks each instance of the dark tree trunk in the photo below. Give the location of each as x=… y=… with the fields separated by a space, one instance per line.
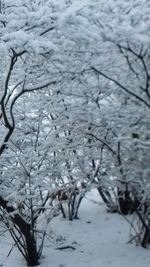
x=127 y=203
x=77 y=208
x=33 y=257
x=30 y=250
x=106 y=197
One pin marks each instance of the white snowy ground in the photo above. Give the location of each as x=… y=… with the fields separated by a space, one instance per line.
x=99 y=238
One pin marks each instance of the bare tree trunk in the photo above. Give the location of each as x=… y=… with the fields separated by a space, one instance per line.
x=29 y=251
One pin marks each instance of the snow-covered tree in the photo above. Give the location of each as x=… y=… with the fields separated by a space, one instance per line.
x=23 y=47
x=89 y=126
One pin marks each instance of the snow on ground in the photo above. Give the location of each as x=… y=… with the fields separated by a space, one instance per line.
x=98 y=239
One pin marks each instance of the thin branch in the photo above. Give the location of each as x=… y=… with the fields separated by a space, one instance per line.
x=128 y=61
x=139 y=56
x=38 y=87
x=12 y=91
x=48 y=30
x=2 y=102
x=121 y=86
x=102 y=141
x=147 y=77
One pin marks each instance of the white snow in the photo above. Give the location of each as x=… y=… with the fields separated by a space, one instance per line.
x=100 y=239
